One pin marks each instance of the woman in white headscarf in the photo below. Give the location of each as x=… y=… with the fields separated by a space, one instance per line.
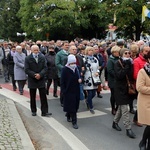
x=70 y=86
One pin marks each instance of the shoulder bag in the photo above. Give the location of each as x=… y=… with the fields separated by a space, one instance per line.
x=131 y=87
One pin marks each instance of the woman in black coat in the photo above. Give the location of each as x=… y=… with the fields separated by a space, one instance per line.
x=123 y=68
x=52 y=71
x=10 y=62
x=71 y=90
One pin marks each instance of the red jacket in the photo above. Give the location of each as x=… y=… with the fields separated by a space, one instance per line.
x=138 y=64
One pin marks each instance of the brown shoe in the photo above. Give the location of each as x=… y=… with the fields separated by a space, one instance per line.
x=0 y=87
x=137 y=123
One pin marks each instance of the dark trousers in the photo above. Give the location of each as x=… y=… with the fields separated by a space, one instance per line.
x=131 y=104
x=43 y=99
x=73 y=116
x=135 y=118
x=146 y=137
x=55 y=85
x=61 y=96
x=13 y=81
x=6 y=72
x=112 y=99
x=21 y=84
x=90 y=96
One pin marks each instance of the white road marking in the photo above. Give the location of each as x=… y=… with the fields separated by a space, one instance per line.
x=87 y=114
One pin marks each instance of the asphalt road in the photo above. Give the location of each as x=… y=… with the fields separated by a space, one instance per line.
x=95 y=131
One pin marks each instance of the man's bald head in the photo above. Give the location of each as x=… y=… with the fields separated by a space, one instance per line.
x=35 y=49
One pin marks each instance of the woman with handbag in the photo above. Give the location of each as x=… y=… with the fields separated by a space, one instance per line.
x=123 y=70
x=143 y=102
x=90 y=76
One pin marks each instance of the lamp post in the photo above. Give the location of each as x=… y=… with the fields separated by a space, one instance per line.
x=22 y=36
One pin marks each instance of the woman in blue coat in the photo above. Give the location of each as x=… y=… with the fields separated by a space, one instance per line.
x=71 y=90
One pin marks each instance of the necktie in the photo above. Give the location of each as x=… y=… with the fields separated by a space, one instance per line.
x=36 y=59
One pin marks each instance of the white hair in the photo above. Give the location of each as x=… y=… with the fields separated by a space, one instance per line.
x=18 y=48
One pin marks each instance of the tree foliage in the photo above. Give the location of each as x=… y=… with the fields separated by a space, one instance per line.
x=128 y=18
x=67 y=19
x=10 y=23
x=64 y=19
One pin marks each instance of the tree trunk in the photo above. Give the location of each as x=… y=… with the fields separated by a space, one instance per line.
x=138 y=31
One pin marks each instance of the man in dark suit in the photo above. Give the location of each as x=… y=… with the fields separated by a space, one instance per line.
x=35 y=68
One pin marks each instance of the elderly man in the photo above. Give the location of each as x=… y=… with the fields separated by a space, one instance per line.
x=35 y=68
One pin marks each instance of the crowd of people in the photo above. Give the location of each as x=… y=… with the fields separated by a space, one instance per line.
x=79 y=62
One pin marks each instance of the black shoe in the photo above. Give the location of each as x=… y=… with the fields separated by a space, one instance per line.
x=46 y=114
x=75 y=126
x=92 y=111
x=21 y=93
x=33 y=113
x=14 y=88
x=55 y=95
x=130 y=133
x=69 y=119
x=99 y=96
x=115 y=126
x=142 y=145
x=132 y=111
x=62 y=105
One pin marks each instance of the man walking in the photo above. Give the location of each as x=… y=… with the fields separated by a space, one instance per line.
x=60 y=62
x=35 y=68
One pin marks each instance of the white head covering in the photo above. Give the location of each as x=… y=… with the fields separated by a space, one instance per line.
x=71 y=59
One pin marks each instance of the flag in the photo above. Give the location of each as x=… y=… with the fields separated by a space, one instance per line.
x=145 y=13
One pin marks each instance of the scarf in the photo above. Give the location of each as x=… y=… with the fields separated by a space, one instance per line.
x=147 y=68
x=12 y=53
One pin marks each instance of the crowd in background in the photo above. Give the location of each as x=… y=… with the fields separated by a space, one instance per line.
x=73 y=63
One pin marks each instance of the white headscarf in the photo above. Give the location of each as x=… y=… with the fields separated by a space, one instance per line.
x=71 y=59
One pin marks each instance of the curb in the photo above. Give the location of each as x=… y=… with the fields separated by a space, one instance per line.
x=25 y=139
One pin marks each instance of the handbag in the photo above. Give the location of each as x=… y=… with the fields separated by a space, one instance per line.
x=95 y=79
x=131 y=87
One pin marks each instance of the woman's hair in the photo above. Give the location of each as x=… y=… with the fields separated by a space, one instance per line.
x=134 y=48
x=88 y=48
x=115 y=49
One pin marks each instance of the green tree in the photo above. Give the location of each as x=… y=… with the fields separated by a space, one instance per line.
x=63 y=19
x=10 y=23
x=128 y=17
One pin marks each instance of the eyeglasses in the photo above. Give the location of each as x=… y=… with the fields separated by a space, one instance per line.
x=127 y=53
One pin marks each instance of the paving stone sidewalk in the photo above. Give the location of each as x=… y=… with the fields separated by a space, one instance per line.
x=12 y=131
